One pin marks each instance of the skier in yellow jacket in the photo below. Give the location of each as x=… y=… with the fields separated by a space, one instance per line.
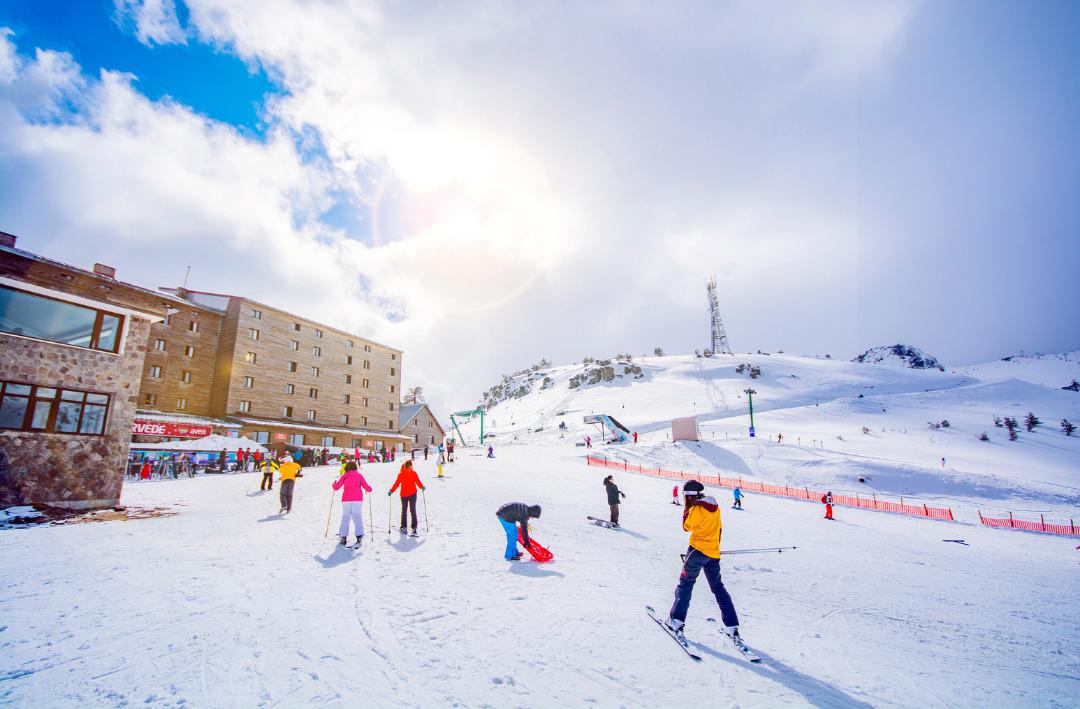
x=701 y=517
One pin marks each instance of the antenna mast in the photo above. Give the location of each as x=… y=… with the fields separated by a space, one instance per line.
x=718 y=343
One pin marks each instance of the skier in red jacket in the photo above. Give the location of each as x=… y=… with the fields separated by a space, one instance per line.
x=826 y=500
x=675 y=496
x=408 y=480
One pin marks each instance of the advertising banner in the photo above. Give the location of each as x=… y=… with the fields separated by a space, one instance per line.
x=172 y=430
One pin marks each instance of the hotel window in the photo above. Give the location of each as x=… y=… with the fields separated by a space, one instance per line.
x=181 y=403
x=348 y=398
x=313 y=393
x=367 y=364
x=318 y=333
x=168 y=320
x=392 y=371
x=159 y=345
x=348 y=379
x=249 y=382
x=345 y=418
x=351 y=343
x=251 y=357
x=43 y=318
x=297 y=439
x=185 y=376
x=348 y=359
x=245 y=406
x=257 y=314
x=317 y=351
x=416 y=438
x=432 y=439
x=294 y=345
x=253 y=333
x=391 y=388
x=289 y=388
x=365 y=401
x=150 y=399
x=391 y=406
x=292 y=366
x=431 y=424
x=364 y=383
x=261 y=436
x=363 y=420
x=26 y=407
x=389 y=423
x=393 y=356
x=314 y=371
x=328 y=441
x=296 y=326
x=286 y=411
x=189 y=351
x=155 y=372
x=193 y=326
x=311 y=415
x=367 y=348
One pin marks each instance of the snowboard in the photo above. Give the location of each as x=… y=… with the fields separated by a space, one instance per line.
x=601 y=522
x=538 y=552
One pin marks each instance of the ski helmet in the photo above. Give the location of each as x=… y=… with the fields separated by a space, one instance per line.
x=693 y=487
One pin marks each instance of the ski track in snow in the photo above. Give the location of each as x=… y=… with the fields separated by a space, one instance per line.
x=227 y=604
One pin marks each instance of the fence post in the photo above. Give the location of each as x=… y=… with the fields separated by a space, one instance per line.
x=901 y=500
x=875 y=500
x=807 y=491
x=1011 y=520
x=1042 y=522
x=926 y=509
x=1072 y=527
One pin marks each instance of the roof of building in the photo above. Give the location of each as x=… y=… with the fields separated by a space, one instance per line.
x=270 y=307
x=319 y=427
x=153 y=415
x=408 y=413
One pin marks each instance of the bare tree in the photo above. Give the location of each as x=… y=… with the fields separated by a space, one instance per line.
x=415 y=395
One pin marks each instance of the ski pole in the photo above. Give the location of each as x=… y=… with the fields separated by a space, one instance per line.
x=427 y=527
x=371 y=515
x=778 y=550
x=330 y=512
x=389 y=514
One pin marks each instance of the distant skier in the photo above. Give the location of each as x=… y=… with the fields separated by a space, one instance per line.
x=288 y=472
x=491 y=452
x=635 y=436
x=511 y=515
x=145 y=470
x=268 y=466
x=352 y=502
x=613 y=495
x=702 y=519
x=450 y=451
x=826 y=500
x=588 y=442
x=943 y=461
x=425 y=451
x=779 y=438
x=221 y=460
x=408 y=480
x=737 y=492
x=675 y=496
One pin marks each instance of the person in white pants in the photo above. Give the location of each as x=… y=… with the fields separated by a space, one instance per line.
x=352 y=485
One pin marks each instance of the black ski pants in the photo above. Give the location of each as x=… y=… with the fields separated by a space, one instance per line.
x=267 y=481
x=408 y=504
x=615 y=513
x=286 y=494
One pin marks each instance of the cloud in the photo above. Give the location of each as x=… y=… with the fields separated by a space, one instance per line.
x=155 y=21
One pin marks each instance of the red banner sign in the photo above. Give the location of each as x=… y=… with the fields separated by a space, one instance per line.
x=279 y=436
x=171 y=430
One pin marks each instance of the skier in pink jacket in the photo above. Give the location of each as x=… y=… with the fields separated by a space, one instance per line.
x=352 y=501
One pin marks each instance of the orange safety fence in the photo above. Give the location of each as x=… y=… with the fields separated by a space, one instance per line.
x=799 y=493
x=1040 y=526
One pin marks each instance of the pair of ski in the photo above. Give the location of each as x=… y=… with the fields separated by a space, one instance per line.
x=685 y=645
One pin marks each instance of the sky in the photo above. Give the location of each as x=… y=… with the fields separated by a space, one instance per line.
x=486 y=183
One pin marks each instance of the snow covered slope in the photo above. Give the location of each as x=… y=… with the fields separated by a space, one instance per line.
x=227 y=605
x=841 y=422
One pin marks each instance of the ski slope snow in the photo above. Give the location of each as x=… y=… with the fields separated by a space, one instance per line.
x=227 y=604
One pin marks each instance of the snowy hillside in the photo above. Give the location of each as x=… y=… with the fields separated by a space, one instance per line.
x=822 y=407
x=226 y=604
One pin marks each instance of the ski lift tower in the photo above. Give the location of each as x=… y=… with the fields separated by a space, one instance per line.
x=718 y=340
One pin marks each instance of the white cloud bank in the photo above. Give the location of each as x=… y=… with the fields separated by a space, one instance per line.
x=564 y=175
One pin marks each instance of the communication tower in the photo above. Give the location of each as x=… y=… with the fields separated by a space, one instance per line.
x=718 y=338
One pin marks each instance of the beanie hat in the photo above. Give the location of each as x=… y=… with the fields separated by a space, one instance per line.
x=693 y=487
x=534 y=511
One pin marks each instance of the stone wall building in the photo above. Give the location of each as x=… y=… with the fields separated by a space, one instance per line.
x=72 y=345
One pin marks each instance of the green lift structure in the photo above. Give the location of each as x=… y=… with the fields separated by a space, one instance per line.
x=467 y=415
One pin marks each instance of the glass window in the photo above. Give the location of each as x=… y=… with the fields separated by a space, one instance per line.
x=317 y=351
x=93 y=419
x=249 y=382
x=313 y=393
x=348 y=398
x=257 y=314
x=311 y=415
x=159 y=345
x=181 y=403
x=13 y=411
x=292 y=366
x=251 y=357
x=348 y=379
x=261 y=436
x=318 y=333
x=245 y=406
x=193 y=326
x=328 y=441
x=155 y=372
x=289 y=388
x=296 y=326
x=286 y=411
x=185 y=376
x=150 y=399
x=297 y=439
x=314 y=371
x=351 y=343
x=345 y=418
x=253 y=333
x=36 y=316
x=189 y=351
x=294 y=345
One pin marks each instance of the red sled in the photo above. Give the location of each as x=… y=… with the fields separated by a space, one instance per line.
x=538 y=552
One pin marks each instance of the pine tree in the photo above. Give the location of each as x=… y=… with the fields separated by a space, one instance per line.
x=997 y=422
x=659 y=351
x=1010 y=423
x=1031 y=421
x=1067 y=427
x=983 y=436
